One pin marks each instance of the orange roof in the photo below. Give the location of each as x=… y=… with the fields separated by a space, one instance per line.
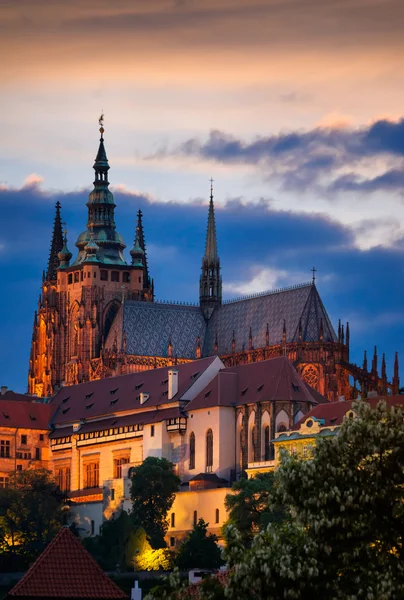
x=66 y=570
x=333 y=413
x=27 y=415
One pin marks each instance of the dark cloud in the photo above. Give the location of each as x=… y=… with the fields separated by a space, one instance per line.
x=251 y=238
x=301 y=158
x=392 y=180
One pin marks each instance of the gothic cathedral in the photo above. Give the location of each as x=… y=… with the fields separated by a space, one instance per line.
x=97 y=316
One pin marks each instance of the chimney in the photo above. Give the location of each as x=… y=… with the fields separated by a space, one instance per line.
x=172 y=383
x=4 y=389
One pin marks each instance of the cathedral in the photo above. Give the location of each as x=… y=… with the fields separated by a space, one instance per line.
x=97 y=316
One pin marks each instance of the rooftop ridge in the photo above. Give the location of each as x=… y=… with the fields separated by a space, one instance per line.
x=269 y=292
x=176 y=302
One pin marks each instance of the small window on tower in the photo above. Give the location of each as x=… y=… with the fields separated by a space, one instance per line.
x=140 y=280
x=104 y=275
x=115 y=276
x=76 y=277
x=70 y=278
x=82 y=276
x=126 y=277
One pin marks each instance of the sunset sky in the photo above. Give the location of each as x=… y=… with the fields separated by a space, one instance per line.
x=294 y=107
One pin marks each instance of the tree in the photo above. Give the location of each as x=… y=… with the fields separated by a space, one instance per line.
x=347 y=535
x=30 y=513
x=248 y=508
x=199 y=549
x=154 y=485
x=111 y=547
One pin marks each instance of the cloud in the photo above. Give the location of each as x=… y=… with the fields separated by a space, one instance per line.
x=301 y=159
x=33 y=181
x=263 y=279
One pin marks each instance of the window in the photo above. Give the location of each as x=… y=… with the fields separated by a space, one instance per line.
x=82 y=276
x=115 y=276
x=70 y=278
x=4 y=449
x=95 y=274
x=92 y=527
x=91 y=474
x=118 y=462
x=112 y=494
x=19 y=467
x=104 y=275
x=152 y=431
x=4 y=481
x=266 y=443
x=195 y=518
x=217 y=514
x=41 y=437
x=23 y=440
x=172 y=542
x=209 y=451
x=63 y=478
x=37 y=454
x=126 y=277
x=172 y=519
x=192 y=451
x=76 y=277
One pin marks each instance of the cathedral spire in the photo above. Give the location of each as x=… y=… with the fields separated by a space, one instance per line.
x=137 y=252
x=56 y=246
x=140 y=237
x=101 y=217
x=396 y=378
x=211 y=242
x=210 y=283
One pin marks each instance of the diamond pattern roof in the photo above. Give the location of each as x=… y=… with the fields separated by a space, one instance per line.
x=149 y=326
x=292 y=304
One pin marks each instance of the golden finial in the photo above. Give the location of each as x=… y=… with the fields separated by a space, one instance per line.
x=101 y=123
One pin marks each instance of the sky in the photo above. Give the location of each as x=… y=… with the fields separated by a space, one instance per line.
x=293 y=107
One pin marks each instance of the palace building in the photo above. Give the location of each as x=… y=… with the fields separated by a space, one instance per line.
x=97 y=316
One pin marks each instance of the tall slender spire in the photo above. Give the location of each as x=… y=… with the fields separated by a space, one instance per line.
x=142 y=244
x=210 y=282
x=101 y=217
x=56 y=246
x=396 y=378
x=211 y=242
x=365 y=361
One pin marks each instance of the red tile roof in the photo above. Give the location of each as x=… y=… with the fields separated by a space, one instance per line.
x=10 y=395
x=268 y=380
x=66 y=570
x=27 y=415
x=333 y=413
x=151 y=416
x=94 y=398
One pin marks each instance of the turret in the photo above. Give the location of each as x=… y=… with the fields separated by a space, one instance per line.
x=396 y=378
x=210 y=284
x=56 y=246
x=64 y=255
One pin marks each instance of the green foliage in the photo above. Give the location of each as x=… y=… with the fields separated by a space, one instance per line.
x=30 y=515
x=248 y=508
x=199 y=549
x=281 y=563
x=346 y=538
x=147 y=559
x=154 y=485
x=350 y=498
x=112 y=547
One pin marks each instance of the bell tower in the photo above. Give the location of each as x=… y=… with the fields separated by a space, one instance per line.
x=80 y=300
x=210 y=282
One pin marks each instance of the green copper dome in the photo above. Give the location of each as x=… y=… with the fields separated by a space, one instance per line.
x=101 y=228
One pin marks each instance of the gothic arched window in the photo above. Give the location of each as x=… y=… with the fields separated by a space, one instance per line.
x=192 y=451
x=109 y=318
x=209 y=450
x=266 y=443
